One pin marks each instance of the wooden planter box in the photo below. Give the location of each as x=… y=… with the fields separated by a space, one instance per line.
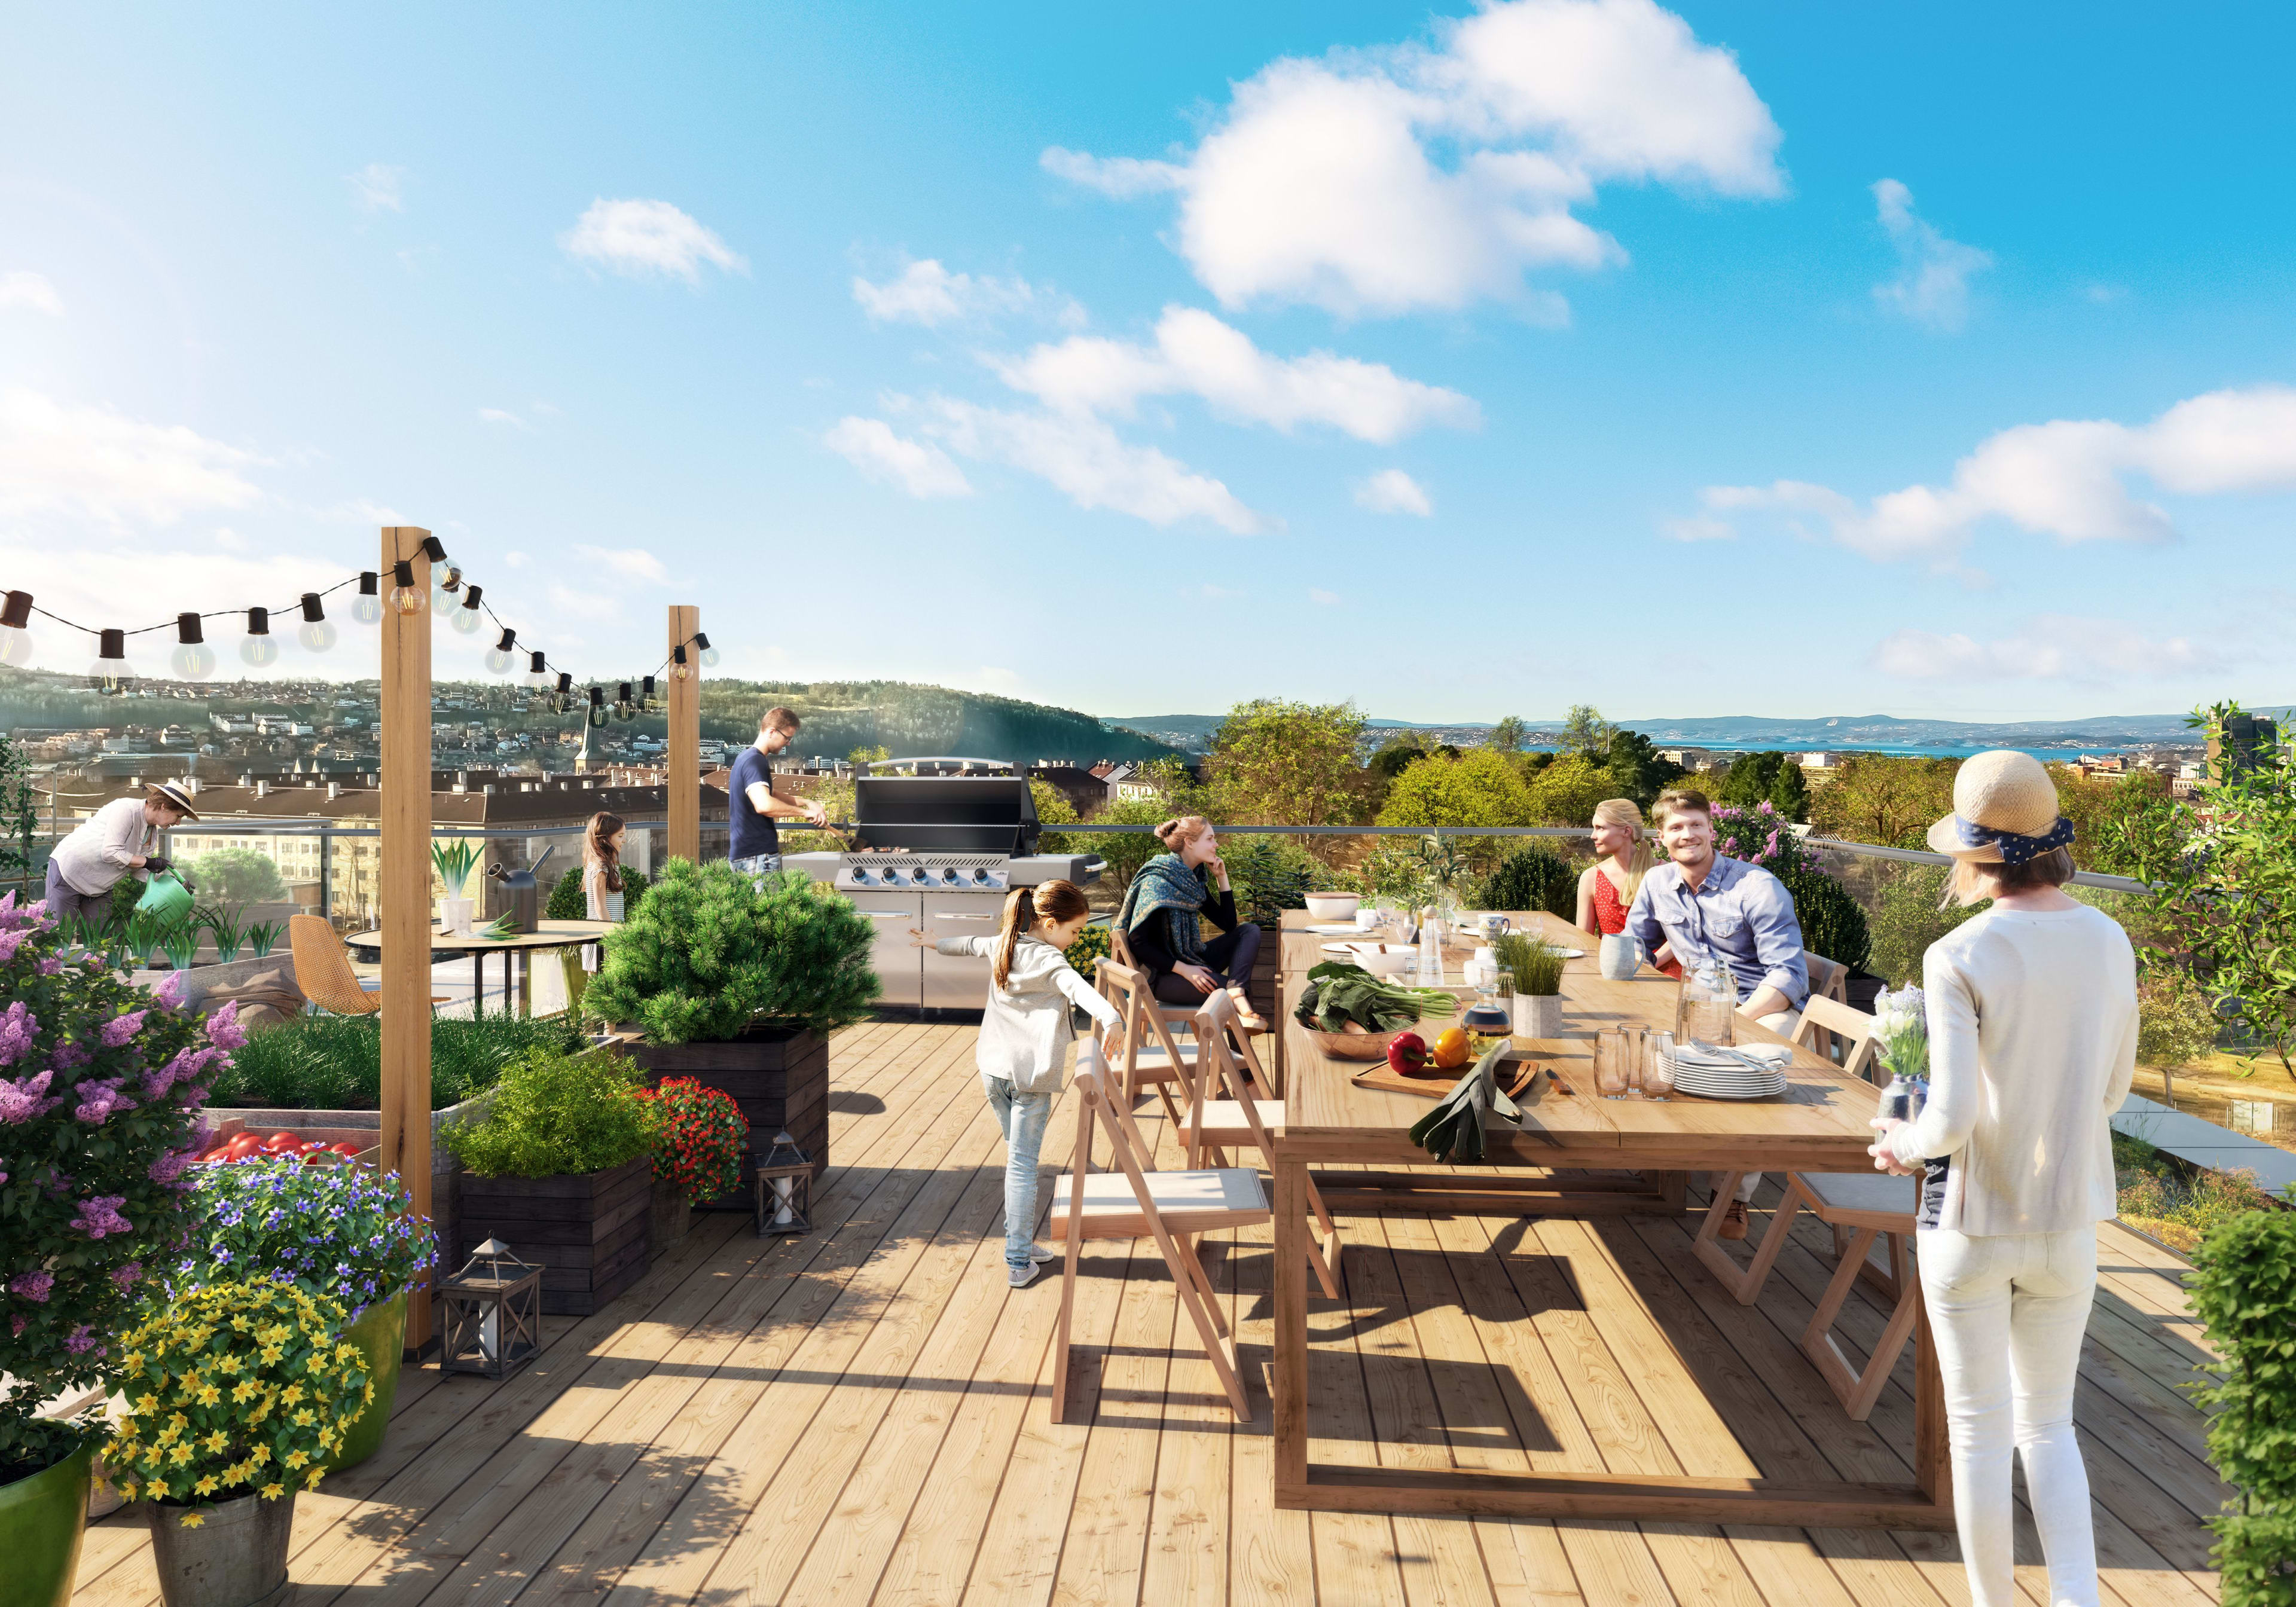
x=589 y=1235
x=779 y=1077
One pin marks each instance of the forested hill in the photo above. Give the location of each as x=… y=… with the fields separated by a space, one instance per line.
x=909 y=720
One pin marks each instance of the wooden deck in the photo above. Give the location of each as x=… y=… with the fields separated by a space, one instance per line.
x=859 y=1415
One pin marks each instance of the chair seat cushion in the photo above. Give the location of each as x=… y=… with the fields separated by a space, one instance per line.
x=1223 y=1120
x=1188 y=1202
x=1865 y=1193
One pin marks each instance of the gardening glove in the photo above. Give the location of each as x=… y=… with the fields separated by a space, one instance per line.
x=155 y=863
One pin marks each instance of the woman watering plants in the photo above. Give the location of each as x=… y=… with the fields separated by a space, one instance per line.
x=2032 y=1029
x=114 y=842
x=1161 y=921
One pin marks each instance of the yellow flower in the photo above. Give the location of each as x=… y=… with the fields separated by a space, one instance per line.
x=238 y=1321
x=217 y=1440
x=346 y=1353
x=191 y=1519
x=133 y=1362
x=206 y=1485
x=260 y=1455
x=180 y=1454
x=303 y=1419
x=312 y=1482
x=272 y=1491
x=245 y=1387
x=126 y=1488
x=227 y=1363
x=148 y=1403
x=297 y=1458
x=292 y=1394
x=168 y=1436
x=209 y=1395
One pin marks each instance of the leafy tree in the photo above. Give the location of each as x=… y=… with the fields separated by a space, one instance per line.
x=237 y=875
x=1747 y=782
x=1396 y=755
x=1585 y=731
x=567 y=903
x=869 y=753
x=1275 y=762
x=1637 y=769
x=1566 y=791
x=1884 y=800
x=1126 y=851
x=1906 y=920
x=1480 y=788
x=2107 y=812
x=1510 y=735
x=1052 y=809
x=19 y=814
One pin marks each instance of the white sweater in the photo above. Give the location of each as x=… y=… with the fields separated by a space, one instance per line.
x=1024 y=1026
x=97 y=851
x=2032 y=1022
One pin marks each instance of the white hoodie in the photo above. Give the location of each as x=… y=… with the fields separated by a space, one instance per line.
x=1024 y=1026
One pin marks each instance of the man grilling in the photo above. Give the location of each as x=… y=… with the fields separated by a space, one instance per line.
x=752 y=805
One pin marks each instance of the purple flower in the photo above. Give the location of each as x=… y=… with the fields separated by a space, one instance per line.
x=33 y=1286
x=99 y=1215
x=121 y=1029
x=170 y=1166
x=124 y=1277
x=15 y=1327
x=64 y=1057
x=21 y=1100
x=10 y=942
x=99 y=1100
x=82 y=1339
x=17 y=1027
x=187 y=1066
x=223 y=1030
x=51 y=965
x=170 y=992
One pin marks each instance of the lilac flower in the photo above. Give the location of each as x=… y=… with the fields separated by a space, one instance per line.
x=17 y=1027
x=99 y=1215
x=82 y=1339
x=171 y=1165
x=121 y=1029
x=21 y=1100
x=186 y=1066
x=170 y=992
x=15 y=1327
x=33 y=1286
x=66 y=1056
x=124 y=1277
x=10 y=942
x=51 y=965
x=99 y=1100
x=223 y=1030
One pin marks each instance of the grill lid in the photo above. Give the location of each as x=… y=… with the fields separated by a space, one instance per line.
x=945 y=814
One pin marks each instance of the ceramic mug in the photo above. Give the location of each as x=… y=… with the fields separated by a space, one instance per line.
x=1368 y=919
x=1495 y=925
x=1620 y=957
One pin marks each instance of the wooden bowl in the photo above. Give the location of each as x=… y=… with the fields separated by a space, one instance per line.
x=1355 y=1045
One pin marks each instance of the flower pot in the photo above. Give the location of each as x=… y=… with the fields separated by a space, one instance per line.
x=454 y=914
x=237 y=1556
x=778 y=1077
x=1538 y=1015
x=673 y=1216
x=588 y=1234
x=380 y=1333
x=1620 y=957
x=41 y=1520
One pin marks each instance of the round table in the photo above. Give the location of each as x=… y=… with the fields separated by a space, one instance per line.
x=446 y=946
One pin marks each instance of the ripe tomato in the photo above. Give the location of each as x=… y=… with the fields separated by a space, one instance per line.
x=242 y=1144
x=345 y=1149
x=314 y=1155
x=282 y=1144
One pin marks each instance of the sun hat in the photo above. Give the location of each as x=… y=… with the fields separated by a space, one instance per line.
x=2004 y=811
x=168 y=793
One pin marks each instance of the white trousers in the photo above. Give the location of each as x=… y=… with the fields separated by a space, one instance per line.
x=1786 y=1023
x=2008 y=1314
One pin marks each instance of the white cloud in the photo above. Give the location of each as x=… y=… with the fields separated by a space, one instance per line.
x=1384 y=182
x=920 y=468
x=2068 y=479
x=61 y=459
x=1392 y=491
x=2048 y=647
x=1322 y=598
x=230 y=540
x=1932 y=283
x=498 y=416
x=639 y=238
x=1082 y=457
x=1697 y=529
x=79 y=578
x=29 y=290
x=1195 y=354
x=925 y=292
x=377 y=187
x=631 y=563
x=592 y=603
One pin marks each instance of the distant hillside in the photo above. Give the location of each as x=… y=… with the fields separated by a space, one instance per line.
x=914 y=721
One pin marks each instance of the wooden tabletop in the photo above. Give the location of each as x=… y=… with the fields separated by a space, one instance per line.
x=555 y=934
x=1818 y=1123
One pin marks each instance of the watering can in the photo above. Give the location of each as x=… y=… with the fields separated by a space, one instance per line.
x=165 y=898
x=522 y=898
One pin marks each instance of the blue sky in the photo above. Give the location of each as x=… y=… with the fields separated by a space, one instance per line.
x=1781 y=360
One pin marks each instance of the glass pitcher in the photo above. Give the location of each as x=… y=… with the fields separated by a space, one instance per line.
x=1708 y=1006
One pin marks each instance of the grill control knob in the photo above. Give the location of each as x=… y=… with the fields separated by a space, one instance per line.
x=981 y=878
x=860 y=878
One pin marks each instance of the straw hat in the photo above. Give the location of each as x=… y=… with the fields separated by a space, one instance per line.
x=2005 y=810
x=174 y=797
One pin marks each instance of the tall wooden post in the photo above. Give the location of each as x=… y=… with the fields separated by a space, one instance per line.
x=405 y=896
x=683 y=754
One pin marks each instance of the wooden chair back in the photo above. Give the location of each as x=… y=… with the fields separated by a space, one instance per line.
x=1145 y=1028
x=323 y=969
x=1216 y=1074
x=1853 y=1029
x=1830 y=978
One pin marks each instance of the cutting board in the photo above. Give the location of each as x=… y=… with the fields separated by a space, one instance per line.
x=1513 y=1073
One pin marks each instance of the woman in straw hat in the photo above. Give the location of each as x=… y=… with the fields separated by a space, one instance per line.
x=113 y=843
x=2032 y=1020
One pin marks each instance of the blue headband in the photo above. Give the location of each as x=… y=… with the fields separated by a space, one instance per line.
x=2014 y=849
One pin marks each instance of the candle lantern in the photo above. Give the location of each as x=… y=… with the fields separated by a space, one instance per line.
x=784 y=1189
x=492 y=1313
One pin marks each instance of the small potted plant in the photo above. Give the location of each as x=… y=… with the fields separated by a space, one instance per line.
x=101 y=1085
x=1537 y=968
x=560 y=1169
x=737 y=981
x=334 y=1231
x=237 y=1395
x=453 y=859
x=697 y=1153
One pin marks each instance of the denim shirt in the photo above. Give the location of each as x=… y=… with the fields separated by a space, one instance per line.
x=1742 y=917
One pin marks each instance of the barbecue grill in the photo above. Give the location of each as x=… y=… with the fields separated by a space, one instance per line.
x=937 y=854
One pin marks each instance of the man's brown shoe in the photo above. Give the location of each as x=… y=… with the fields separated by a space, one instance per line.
x=1734 y=1221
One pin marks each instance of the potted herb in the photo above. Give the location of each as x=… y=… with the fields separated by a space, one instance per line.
x=1537 y=968
x=560 y=1169
x=237 y=1395
x=453 y=860
x=333 y=1231
x=101 y=1085
x=698 y=1137
x=737 y=981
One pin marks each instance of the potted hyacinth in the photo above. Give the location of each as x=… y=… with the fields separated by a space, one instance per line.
x=337 y=1232
x=101 y=1085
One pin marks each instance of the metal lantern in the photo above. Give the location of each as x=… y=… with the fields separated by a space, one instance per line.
x=784 y=1188
x=492 y=1313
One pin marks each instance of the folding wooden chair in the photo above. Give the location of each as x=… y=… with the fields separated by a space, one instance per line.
x=1181 y=1017
x=1151 y=1056
x=1213 y=1126
x=1136 y=1200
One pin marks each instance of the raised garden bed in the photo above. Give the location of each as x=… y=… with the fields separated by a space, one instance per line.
x=779 y=1077
x=588 y=1234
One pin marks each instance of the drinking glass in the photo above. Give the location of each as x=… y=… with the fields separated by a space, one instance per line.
x=1614 y=1068
x=1657 y=1065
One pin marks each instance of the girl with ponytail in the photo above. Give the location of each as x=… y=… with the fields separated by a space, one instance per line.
x=1024 y=1041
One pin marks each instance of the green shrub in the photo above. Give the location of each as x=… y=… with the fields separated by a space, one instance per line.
x=1906 y=920
x=236 y=875
x=2245 y=1292
x=1532 y=878
x=1832 y=923
x=335 y=1062
x=1272 y=874
x=557 y=1115
x=1092 y=944
x=567 y=903
x=2177 y=1021
x=712 y=952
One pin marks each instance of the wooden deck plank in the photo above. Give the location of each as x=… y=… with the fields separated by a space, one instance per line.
x=1270 y=1560
x=1355 y=1553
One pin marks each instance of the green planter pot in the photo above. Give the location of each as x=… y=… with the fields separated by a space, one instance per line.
x=381 y=1335
x=41 y=1520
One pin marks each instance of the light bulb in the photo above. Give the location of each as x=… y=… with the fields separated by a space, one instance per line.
x=15 y=640
x=503 y=653
x=316 y=636
x=623 y=707
x=537 y=674
x=709 y=655
x=446 y=582
x=680 y=670
x=565 y=695
x=598 y=716
x=467 y=618
x=257 y=653
x=110 y=674
x=192 y=662
x=405 y=596
x=367 y=607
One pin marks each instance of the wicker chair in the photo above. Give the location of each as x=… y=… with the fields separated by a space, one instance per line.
x=323 y=971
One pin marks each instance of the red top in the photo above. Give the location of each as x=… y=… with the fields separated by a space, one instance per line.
x=1610 y=916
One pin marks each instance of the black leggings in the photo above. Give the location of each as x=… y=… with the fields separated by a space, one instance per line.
x=1231 y=955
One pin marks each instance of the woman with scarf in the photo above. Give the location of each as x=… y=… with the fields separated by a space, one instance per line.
x=1161 y=921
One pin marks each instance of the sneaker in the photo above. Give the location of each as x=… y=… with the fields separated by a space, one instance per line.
x=1734 y=1221
x=1040 y=1255
x=1020 y=1277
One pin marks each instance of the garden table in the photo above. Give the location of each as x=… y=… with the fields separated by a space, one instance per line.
x=1566 y=1141
x=445 y=945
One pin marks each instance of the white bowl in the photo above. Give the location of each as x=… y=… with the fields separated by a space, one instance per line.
x=1332 y=906
x=1388 y=963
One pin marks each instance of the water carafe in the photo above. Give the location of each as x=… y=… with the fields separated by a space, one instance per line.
x=1707 y=1008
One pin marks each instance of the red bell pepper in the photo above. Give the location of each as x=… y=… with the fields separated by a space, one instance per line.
x=1408 y=1054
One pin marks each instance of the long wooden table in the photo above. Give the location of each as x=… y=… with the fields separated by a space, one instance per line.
x=1559 y=1159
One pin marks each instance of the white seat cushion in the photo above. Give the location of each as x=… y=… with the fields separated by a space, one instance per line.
x=1188 y=1202
x=1224 y=1118
x=1864 y=1192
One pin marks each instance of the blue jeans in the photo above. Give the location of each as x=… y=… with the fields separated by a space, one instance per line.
x=1021 y=1118
x=759 y=865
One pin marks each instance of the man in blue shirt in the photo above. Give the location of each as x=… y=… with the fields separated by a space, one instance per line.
x=1701 y=907
x=752 y=805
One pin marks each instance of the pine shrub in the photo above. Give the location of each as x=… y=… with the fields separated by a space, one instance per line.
x=1832 y=922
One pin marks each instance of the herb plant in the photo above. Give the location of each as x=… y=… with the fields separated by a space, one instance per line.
x=1338 y=995
x=1536 y=964
x=559 y=1115
x=336 y=1231
x=322 y=1063
x=453 y=859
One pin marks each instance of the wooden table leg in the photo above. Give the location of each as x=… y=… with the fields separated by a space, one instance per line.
x=1289 y=1392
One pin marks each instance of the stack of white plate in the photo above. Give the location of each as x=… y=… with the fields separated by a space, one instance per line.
x=1755 y=1072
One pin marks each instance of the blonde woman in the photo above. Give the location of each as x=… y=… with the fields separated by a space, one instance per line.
x=1607 y=888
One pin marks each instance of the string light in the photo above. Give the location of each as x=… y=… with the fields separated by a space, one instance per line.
x=503 y=653
x=445 y=582
x=678 y=668
x=651 y=703
x=110 y=674
x=468 y=618
x=15 y=640
x=537 y=673
x=709 y=655
x=367 y=609
x=565 y=699
x=317 y=632
x=623 y=707
x=405 y=596
x=257 y=649
x=193 y=660
x=598 y=716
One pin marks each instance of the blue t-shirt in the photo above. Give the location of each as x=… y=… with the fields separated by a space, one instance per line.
x=753 y=833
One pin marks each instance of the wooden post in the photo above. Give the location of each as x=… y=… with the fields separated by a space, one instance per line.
x=683 y=754
x=405 y=896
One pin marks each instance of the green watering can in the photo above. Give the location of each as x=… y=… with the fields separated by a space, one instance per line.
x=166 y=897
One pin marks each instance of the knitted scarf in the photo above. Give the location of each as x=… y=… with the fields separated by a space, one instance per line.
x=1167 y=882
